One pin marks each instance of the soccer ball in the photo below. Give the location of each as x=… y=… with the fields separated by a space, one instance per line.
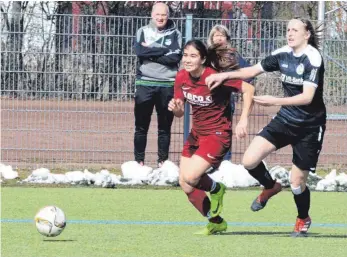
x=50 y=221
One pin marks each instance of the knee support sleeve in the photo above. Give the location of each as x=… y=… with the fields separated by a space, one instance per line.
x=296 y=190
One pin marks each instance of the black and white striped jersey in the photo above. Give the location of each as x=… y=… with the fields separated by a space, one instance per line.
x=306 y=68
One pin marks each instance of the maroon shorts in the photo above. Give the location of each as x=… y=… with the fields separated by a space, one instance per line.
x=211 y=148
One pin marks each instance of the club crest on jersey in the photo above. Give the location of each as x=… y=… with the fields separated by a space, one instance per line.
x=167 y=42
x=300 y=69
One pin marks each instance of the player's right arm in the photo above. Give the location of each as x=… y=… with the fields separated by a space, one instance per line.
x=176 y=105
x=270 y=63
x=214 y=80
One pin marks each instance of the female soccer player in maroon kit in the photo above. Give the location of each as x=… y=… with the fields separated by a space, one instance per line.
x=210 y=136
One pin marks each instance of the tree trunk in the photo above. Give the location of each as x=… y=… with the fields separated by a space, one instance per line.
x=61 y=46
x=14 y=43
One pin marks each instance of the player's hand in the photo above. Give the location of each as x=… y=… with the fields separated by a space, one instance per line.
x=241 y=129
x=215 y=80
x=175 y=105
x=265 y=100
x=144 y=44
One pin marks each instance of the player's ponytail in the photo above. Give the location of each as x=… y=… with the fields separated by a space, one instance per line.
x=223 y=57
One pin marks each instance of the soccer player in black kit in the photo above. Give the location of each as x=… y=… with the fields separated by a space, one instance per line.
x=300 y=122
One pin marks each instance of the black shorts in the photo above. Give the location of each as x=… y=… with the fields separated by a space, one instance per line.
x=306 y=142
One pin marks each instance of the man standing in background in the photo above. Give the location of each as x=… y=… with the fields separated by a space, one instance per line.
x=158 y=48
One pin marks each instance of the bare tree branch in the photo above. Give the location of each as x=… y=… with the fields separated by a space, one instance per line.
x=5 y=14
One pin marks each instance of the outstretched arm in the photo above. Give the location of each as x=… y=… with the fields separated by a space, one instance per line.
x=304 y=98
x=214 y=80
x=310 y=84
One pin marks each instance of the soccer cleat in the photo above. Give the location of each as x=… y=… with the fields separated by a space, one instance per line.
x=217 y=201
x=260 y=202
x=301 y=227
x=213 y=229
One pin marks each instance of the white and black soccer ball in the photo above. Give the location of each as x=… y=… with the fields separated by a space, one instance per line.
x=50 y=221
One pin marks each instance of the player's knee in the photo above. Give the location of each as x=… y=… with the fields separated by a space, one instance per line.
x=181 y=182
x=248 y=162
x=297 y=180
x=191 y=179
x=297 y=184
x=185 y=187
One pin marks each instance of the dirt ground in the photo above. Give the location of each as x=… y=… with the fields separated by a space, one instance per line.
x=79 y=134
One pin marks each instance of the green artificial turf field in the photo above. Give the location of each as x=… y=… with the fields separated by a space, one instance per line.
x=148 y=223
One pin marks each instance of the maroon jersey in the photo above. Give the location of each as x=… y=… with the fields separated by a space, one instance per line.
x=211 y=109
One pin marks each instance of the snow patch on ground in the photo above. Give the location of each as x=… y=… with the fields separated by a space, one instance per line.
x=232 y=175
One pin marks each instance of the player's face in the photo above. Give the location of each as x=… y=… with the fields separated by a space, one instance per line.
x=160 y=16
x=219 y=38
x=192 y=61
x=297 y=35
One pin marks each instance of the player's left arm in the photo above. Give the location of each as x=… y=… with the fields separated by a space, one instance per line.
x=304 y=98
x=247 y=96
x=313 y=67
x=310 y=84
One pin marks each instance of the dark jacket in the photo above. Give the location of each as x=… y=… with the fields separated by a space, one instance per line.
x=159 y=60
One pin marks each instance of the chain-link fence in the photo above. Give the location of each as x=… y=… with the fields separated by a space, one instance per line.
x=67 y=85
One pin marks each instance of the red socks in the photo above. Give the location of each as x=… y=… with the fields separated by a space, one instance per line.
x=200 y=201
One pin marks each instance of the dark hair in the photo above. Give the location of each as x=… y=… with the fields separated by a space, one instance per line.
x=223 y=57
x=314 y=38
x=200 y=47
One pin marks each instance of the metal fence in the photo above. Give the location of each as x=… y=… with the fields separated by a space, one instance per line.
x=67 y=85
